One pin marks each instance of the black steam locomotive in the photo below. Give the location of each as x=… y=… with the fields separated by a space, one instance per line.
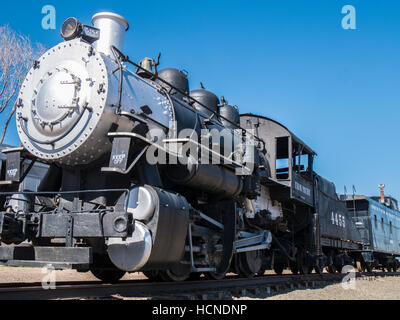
x=141 y=174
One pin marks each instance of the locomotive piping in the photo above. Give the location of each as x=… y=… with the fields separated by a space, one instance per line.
x=185 y=94
x=117 y=59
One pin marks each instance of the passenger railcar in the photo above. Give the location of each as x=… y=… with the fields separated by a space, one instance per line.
x=378 y=220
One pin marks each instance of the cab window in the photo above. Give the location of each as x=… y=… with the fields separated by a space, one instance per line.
x=282 y=158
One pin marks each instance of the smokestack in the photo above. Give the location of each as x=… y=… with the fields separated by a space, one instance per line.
x=381 y=186
x=112 y=31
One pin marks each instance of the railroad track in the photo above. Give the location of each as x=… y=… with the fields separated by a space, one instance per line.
x=192 y=290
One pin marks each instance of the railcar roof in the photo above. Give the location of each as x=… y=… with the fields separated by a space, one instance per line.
x=294 y=137
x=349 y=197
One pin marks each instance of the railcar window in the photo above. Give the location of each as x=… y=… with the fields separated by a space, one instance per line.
x=383 y=225
x=395 y=206
x=390 y=226
x=282 y=158
x=376 y=221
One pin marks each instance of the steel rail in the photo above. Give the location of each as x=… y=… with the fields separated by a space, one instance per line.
x=194 y=289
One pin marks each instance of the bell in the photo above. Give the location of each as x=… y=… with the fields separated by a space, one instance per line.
x=146 y=64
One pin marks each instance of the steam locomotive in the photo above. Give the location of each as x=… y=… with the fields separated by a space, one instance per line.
x=138 y=173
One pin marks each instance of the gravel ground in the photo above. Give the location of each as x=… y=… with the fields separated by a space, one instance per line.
x=378 y=289
x=29 y=275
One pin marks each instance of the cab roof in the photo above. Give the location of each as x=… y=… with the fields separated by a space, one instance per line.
x=289 y=133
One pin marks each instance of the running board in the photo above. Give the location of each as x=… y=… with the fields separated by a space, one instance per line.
x=46 y=264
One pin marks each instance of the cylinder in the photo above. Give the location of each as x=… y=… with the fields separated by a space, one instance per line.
x=157 y=243
x=112 y=31
x=132 y=253
x=141 y=203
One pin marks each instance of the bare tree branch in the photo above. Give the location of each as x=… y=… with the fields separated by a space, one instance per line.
x=4 y=76
x=17 y=54
x=3 y=134
x=10 y=97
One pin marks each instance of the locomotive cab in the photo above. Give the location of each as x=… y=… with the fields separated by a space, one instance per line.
x=290 y=159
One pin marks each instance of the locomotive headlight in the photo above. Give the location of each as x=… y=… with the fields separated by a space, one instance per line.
x=71 y=28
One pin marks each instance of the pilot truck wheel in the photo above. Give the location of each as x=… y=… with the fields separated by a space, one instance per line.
x=104 y=270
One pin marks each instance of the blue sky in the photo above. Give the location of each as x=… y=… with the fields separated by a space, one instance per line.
x=338 y=90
